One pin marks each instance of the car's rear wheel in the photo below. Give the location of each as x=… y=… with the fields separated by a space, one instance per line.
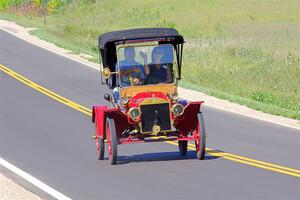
x=200 y=142
x=99 y=144
x=101 y=149
x=111 y=140
x=182 y=145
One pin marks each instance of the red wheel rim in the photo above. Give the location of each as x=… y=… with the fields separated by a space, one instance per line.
x=97 y=141
x=97 y=145
x=197 y=137
x=108 y=140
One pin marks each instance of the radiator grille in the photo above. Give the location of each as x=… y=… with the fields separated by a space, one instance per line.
x=158 y=114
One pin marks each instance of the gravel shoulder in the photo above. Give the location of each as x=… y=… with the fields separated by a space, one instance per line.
x=11 y=190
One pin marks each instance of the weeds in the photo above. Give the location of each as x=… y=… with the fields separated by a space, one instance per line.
x=243 y=51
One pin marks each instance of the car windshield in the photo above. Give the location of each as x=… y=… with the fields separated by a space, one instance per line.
x=145 y=65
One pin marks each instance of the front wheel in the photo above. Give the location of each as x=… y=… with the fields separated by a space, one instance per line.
x=99 y=144
x=200 y=142
x=100 y=149
x=111 y=140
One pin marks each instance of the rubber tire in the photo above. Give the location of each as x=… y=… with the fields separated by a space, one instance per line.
x=113 y=141
x=101 y=145
x=201 y=152
x=182 y=146
x=101 y=149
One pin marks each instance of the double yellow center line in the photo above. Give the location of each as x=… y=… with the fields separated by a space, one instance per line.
x=45 y=91
x=87 y=111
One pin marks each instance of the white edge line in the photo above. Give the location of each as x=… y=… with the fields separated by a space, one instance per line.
x=53 y=51
x=254 y=117
x=49 y=190
x=94 y=67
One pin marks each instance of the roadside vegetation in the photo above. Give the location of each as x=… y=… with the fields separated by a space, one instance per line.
x=243 y=51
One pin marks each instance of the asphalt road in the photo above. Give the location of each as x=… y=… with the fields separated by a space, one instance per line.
x=52 y=141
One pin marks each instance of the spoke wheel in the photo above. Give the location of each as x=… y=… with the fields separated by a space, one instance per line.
x=182 y=145
x=111 y=140
x=99 y=145
x=200 y=142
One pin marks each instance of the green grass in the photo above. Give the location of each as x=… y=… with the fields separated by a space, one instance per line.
x=244 y=51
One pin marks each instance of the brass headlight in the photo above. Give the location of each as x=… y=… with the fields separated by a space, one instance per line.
x=177 y=109
x=134 y=113
x=106 y=73
x=173 y=96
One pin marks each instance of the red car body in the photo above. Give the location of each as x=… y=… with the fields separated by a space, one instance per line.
x=157 y=116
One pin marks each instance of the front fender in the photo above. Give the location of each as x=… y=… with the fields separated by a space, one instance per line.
x=187 y=122
x=98 y=117
x=121 y=120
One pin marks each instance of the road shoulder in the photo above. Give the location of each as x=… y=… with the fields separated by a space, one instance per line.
x=11 y=190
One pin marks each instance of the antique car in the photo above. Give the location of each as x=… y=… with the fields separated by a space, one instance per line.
x=142 y=68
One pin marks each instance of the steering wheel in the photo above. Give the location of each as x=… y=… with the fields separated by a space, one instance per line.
x=129 y=73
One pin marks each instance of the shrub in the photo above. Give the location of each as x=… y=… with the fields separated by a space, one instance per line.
x=32 y=7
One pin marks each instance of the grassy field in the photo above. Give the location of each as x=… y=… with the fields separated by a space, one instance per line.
x=244 y=51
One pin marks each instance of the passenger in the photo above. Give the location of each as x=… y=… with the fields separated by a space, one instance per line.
x=157 y=71
x=168 y=57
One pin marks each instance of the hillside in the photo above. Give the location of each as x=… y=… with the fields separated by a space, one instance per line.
x=243 y=51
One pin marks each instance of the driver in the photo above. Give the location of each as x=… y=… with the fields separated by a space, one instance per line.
x=131 y=72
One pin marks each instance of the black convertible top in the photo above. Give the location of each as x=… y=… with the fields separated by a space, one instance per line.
x=107 y=44
x=139 y=34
